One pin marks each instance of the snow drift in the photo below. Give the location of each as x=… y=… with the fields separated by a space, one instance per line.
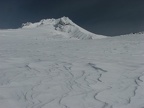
x=63 y=26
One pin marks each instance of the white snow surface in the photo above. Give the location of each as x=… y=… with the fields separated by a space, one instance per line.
x=42 y=68
x=63 y=26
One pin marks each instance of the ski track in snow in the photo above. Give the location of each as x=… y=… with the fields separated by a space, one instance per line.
x=36 y=72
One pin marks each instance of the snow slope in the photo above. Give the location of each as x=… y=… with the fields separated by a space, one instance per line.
x=37 y=71
x=63 y=26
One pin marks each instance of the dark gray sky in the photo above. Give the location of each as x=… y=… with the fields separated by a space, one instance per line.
x=108 y=17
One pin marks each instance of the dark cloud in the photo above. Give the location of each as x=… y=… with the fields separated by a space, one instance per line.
x=108 y=17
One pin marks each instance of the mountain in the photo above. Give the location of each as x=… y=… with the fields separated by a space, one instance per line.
x=62 y=26
x=44 y=65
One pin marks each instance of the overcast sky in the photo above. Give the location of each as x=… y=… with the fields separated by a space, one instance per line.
x=108 y=17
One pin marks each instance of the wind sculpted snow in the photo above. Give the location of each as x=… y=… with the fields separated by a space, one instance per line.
x=41 y=70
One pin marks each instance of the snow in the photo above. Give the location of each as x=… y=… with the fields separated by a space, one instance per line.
x=41 y=67
x=65 y=26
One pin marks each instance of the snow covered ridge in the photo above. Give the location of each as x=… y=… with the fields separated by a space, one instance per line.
x=135 y=33
x=63 y=25
x=139 y=33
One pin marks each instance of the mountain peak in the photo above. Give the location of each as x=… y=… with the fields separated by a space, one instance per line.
x=65 y=21
x=63 y=25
